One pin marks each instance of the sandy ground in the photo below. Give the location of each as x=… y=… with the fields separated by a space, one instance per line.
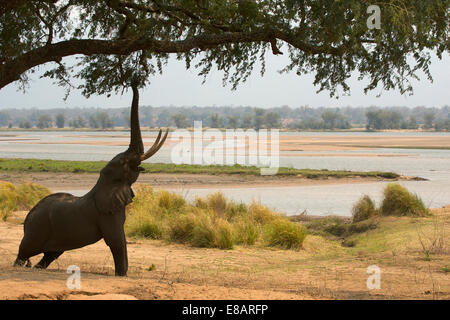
x=318 y=271
x=84 y=181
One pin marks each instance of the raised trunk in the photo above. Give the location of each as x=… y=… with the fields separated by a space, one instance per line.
x=136 y=139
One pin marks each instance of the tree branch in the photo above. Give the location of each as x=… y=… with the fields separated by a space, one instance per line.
x=10 y=71
x=48 y=25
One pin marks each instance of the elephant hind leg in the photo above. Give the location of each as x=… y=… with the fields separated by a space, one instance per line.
x=24 y=255
x=20 y=262
x=48 y=258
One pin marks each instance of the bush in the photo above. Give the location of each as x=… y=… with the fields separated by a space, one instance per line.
x=245 y=232
x=170 y=201
x=201 y=230
x=217 y=203
x=363 y=209
x=181 y=227
x=145 y=228
x=398 y=201
x=285 y=234
x=30 y=194
x=261 y=214
x=224 y=235
x=8 y=199
x=211 y=222
x=236 y=211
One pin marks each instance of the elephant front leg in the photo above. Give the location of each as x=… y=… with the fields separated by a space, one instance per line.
x=118 y=246
x=119 y=252
x=114 y=237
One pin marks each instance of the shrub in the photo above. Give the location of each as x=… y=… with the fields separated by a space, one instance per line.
x=285 y=234
x=203 y=232
x=221 y=207
x=200 y=203
x=363 y=209
x=170 y=201
x=201 y=229
x=235 y=211
x=30 y=194
x=245 y=232
x=180 y=227
x=22 y=197
x=145 y=228
x=398 y=201
x=217 y=203
x=261 y=214
x=224 y=235
x=211 y=222
x=8 y=199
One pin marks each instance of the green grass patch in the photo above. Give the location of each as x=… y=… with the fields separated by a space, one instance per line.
x=42 y=165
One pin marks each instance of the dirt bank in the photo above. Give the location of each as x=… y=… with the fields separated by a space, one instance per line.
x=84 y=181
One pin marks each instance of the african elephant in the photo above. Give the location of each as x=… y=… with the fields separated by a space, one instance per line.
x=61 y=221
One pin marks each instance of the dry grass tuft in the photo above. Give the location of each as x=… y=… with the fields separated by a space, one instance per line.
x=398 y=201
x=213 y=222
x=21 y=197
x=363 y=209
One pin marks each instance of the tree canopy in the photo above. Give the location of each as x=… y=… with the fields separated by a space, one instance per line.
x=119 y=41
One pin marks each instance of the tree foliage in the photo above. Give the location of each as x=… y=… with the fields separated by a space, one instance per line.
x=120 y=41
x=44 y=121
x=60 y=120
x=232 y=117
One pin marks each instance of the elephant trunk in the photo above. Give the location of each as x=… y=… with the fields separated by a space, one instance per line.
x=136 y=143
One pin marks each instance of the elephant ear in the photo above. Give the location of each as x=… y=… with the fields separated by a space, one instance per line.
x=114 y=200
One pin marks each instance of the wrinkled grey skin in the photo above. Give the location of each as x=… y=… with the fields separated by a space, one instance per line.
x=63 y=222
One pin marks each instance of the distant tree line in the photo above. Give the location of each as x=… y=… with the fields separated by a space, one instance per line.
x=302 y=118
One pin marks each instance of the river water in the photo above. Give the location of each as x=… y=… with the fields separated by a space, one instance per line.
x=338 y=199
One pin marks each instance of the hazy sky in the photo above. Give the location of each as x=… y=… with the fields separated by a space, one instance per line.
x=180 y=87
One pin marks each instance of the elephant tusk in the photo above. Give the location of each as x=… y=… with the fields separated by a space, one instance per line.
x=156 y=146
